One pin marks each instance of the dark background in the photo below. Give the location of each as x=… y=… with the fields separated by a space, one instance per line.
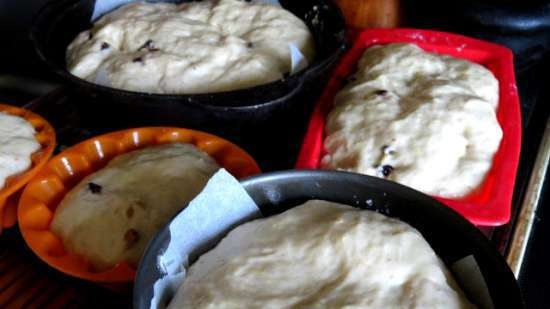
x=24 y=78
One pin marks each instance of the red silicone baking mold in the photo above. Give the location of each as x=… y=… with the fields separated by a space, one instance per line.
x=491 y=203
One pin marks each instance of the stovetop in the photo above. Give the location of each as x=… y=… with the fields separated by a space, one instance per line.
x=57 y=106
x=23 y=79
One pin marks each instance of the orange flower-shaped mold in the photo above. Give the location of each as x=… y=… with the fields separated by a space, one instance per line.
x=44 y=192
x=9 y=194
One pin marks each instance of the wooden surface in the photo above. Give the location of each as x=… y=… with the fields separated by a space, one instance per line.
x=371 y=13
x=26 y=282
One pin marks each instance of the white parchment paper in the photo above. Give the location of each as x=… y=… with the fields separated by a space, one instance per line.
x=467 y=273
x=222 y=205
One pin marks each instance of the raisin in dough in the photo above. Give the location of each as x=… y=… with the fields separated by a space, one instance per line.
x=193 y=47
x=111 y=215
x=321 y=255
x=424 y=120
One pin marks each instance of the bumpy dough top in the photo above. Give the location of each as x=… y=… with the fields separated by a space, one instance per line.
x=193 y=47
x=321 y=255
x=111 y=215
x=17 y=144
x=425 y=120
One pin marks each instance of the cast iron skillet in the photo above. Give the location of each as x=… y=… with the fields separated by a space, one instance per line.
x=451 y=236
x=267 y=120
x=59 y=22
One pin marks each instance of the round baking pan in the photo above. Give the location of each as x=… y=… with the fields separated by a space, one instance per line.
x=451 y=236
x=232 y=114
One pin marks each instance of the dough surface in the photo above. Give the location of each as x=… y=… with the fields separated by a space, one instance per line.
x=111 y=215
x=320 y=255
x=424 y=120
x=17 y=144
x=193 y=47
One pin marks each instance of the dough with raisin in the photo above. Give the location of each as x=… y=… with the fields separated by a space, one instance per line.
x=424 y=120
x=111 y=215
x=192 y=47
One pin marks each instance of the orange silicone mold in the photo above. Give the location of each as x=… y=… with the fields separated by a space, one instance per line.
x=44 y=192
x=9 y=194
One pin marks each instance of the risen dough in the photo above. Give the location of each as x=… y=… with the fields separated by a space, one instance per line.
x=111 y=215
x=17 y=143
x=320 y=255
x=424 y=120
x=193 y=47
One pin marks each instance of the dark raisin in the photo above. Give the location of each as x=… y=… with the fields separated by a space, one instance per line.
x=105 y=45
x=149 y=45
x=90 y=35
x=94 y=188
x=130 y=212
x=131 y=237
x=250 y=45
x=351 y=79
x=381 y=92
x=387 y=170
x=138 y=59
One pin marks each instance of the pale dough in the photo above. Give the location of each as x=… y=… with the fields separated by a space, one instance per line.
x=321 y=255
x=17 y=144
x=424 y=120
x=193 y=47
x=111 y=215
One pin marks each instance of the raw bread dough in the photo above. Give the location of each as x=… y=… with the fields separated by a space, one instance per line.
x=17 y=144
x=424 y=120
x=321 y=255
x=111 y=215
x=193 y=47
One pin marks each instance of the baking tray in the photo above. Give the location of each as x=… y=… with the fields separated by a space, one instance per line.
x=26 y=282
x=490 y=204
